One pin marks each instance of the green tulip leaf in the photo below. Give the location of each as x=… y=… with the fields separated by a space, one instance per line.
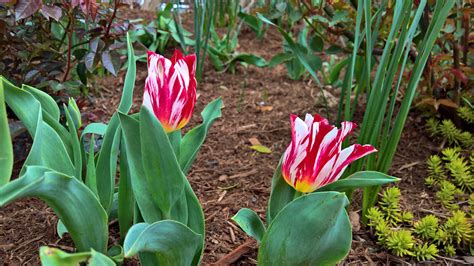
x=359 y=180
x=94 y=128
x=76 y=206
x=61 y=229
x=131 y=132
x=129 y=84
x=106 y=167
x=48 y=150
x=249 y=221
x=281 y=194
x=165 y=242
x=314 y=229
x=18 y=99
x=192 y=141
x=160 y=165
x=56 y=257
x=48 y=104
x=126 y=201
x=6 y=149
x=107 y=161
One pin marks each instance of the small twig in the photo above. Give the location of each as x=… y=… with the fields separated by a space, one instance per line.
x=237 y=253
x=433 y=212
x=453 y=260
x=112 y=18
x=69 y=45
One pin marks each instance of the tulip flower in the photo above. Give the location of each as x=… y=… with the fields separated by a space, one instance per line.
x=314 y=158
x=170 y=89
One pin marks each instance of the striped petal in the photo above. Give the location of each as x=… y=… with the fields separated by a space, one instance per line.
x=314 y=157
x=170 y=89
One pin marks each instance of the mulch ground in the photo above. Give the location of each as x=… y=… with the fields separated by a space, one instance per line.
x=227 y=174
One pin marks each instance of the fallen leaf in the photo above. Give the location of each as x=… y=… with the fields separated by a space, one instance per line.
x=266 y=108
x=355 y=221
x=261 y=148
x=254 y=141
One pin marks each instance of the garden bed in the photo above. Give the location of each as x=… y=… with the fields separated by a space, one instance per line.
x=228 y=175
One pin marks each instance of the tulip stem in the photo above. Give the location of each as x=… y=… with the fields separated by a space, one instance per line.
x=297 y=195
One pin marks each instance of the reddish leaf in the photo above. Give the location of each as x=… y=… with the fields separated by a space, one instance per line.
x=51 y=12
x=26 y=8
x=459 y=76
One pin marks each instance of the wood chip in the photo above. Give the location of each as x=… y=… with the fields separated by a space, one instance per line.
x=254 y=141
x=222 y=195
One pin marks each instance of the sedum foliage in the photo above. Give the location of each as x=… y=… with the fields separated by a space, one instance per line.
x=424 y=238
x=425 y=252
x=401 y=243
x=466 y=113
x=390 y=204
x=447 y=130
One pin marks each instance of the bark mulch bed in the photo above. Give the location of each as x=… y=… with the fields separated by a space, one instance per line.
x=227 y=174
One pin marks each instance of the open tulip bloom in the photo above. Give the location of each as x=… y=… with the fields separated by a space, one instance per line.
x=170 y=89
x=315 y=157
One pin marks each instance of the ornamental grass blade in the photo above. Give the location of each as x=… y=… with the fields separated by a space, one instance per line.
x=165 y=242
x=76 y=206
x=314 y=229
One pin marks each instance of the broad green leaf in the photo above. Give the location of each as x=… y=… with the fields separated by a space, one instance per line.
x=280 y=58
x=76 y=206
x=56 y=257
x=126 y=201
x=249 y=221
x=299 y=50
x=107 y=161
x=195 y=218
x=99 y=259
x=249 y=59
x=17 y=99
x=6 y=149
x=129 y=84
x=281 y=194
x=359 y=180
x=27 y=107
x=75 y=113
x=336 y=70
x=165 y=242
x=314 y=229
x=261 y=148
x=160 y=165
x=106 y=167
x=48 y=104
x=131 y=132
x=91 y=175
x=49 y=151
x=316 y=44
x=61 y=229
x=74 y=140
x=94 y=128
x=193 y=140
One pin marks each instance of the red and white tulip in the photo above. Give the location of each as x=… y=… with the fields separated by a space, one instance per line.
x=315 y=156
x=170 y=89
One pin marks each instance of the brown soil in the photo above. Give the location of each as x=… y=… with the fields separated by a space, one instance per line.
x=227 y=174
